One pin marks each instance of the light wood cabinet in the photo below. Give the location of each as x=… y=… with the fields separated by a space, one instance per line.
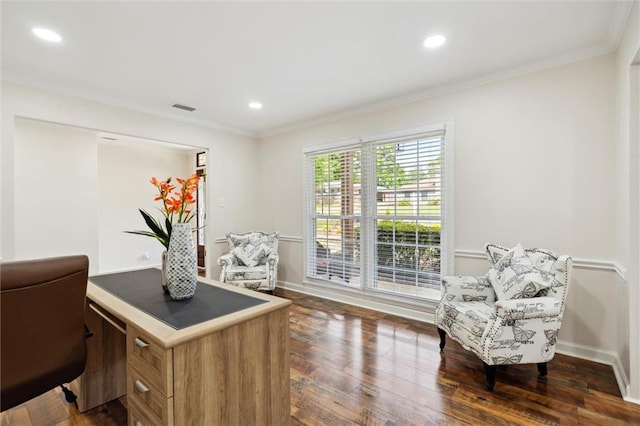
x=148 y=356
x=149 y=378
x=137 y=416
x=233 y=370
x=104 y=377
x=243 y=375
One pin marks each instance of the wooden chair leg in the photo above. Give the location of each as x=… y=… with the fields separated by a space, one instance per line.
x=443 y=337
x=542 y=368
x=490 y=371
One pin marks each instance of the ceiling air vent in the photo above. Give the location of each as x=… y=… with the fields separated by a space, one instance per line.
x=184 y=107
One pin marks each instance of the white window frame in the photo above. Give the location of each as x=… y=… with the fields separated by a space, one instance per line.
x=368 y=208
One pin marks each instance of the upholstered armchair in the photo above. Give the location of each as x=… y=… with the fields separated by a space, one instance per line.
x=513 y=314
x=252 y=261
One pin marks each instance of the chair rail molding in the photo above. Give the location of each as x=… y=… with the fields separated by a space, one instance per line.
x=291 y=239
x=286 y=238
x=602 y=265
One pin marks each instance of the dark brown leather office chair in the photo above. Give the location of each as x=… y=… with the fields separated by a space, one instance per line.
x=43 y=332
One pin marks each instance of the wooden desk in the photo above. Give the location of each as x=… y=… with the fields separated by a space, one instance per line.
x=232 y=370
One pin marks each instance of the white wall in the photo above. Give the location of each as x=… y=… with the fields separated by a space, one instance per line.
x=227 y=153
x=124 y=171
x=533 y=159
x=56 y=192
x=77 y=193
x=627 y=206
x=534 y=163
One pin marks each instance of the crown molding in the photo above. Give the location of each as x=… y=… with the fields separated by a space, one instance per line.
x=590 y=52
x=614 y=35
x=621 y=15
x=105 y=100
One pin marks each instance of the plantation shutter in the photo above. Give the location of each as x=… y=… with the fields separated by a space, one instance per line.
x=374 y=213
x=407 y=218
x=333 y=198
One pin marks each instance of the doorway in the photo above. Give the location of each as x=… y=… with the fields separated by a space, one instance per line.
x=201 y=213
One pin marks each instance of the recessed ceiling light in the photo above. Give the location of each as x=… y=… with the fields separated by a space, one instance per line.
x=255 y=105
x=47 y=35
x=434 y=41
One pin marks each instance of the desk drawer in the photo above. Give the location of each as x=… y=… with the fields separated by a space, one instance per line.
x=153 y=361
x=136 y=416
x=147 y=400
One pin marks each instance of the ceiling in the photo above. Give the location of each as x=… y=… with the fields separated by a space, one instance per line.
x=307 y=62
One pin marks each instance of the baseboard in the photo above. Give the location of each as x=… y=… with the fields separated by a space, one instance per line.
x=565 y=348
x=359 y=301
x=631 y=400
x=602 y=356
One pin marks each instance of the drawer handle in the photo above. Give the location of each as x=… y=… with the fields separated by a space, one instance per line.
x=139 y=423
x=141 y=387
x=141 y=343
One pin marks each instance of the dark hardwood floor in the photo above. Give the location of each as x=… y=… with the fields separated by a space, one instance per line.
x=352 y=366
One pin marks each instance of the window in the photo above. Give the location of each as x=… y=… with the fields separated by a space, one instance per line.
x=374 y=213
x=336 y=213
x=201 y=159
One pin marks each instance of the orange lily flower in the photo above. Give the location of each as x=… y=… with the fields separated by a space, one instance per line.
x=175 y=203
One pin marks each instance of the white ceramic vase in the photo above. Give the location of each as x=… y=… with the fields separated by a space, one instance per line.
x=182 y=270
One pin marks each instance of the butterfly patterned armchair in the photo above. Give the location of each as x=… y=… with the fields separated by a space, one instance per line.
x=512 y=315
x=252 y=261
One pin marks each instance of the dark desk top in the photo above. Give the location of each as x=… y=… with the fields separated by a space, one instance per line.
x=142 y=289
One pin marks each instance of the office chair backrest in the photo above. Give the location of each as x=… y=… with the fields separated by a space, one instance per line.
x=42 y=325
